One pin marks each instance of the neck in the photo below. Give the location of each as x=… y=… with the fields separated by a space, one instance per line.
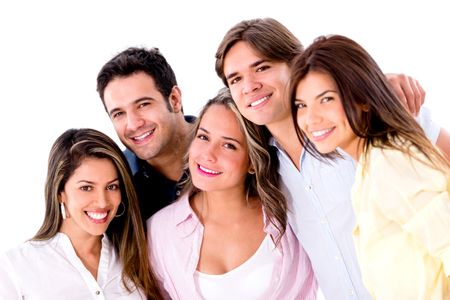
x=87 y=247
x=170 y=163
x=355 y=149
x=223 y=205
x=285 y=135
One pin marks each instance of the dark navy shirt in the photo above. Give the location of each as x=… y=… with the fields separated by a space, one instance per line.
x=154 y=190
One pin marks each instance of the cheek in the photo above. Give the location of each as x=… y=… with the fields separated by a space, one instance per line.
x=234 y=90
x=119 y=126
x=301 y=122
x=191 y=162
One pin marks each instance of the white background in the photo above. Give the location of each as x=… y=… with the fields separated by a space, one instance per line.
x=51 y=52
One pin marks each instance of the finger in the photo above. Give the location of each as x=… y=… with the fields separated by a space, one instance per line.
x=409 y=95
x=422 y=93
x=416 y=100
x=400 y=95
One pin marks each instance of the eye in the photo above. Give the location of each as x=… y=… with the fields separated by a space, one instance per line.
x=113 y=187
x=202 y=137
x=86 y=188
x=143 y=104
x=262 y=68
x=234 y=80
x=326 y=99
x=300 y=105
x=230 y=146
x=117 y=114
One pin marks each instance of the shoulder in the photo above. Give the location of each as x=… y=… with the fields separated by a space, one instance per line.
x=399 y=170
x=166 y=219
x=132 y=160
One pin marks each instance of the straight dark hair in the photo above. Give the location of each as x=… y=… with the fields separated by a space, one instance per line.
x=126 y=232
x=374 y=112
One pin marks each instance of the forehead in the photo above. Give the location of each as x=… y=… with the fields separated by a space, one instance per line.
x=222 y=121
x=240 y=55
x=315 y=83
x=130 y=88
x=94 y=169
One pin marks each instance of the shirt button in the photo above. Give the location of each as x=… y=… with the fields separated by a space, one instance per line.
x=323 y=221
x=308 y=187
x=337 y=258
x=97 y=293
x=351 y=292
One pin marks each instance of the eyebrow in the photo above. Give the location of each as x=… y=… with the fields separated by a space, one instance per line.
x=224 y=137
x=92 y=182
x=324 y=92
x=112 y=111
x=255 y=64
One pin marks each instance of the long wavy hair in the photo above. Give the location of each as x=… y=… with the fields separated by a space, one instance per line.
x=126 y=232
x=373 y=110
x=263 y=159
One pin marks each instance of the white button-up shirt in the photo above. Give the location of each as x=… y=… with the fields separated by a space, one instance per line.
x=52 y=270
x=322 y=217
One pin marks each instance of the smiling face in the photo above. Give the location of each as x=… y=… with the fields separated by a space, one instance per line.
x=91 y=197
x=258 y=86
x=218 y=155
x=140 y=114
x=321 y=116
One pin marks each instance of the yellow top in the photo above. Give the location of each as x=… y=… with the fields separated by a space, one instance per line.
x=402 y=232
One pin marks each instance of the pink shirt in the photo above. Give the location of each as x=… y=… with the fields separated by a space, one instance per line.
x=175 y=236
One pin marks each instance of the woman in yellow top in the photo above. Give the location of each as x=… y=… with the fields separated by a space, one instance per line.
x=341 y=99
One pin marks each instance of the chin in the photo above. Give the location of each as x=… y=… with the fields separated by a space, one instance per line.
x=326 y=150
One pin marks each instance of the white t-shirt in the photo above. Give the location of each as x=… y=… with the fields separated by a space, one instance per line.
x=250 y=280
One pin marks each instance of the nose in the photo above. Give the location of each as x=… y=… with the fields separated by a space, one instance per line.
x=251 y=84
x=210 y=152
x=312 y=115
x=307 y=117
x=134 y=121
x=101 y=198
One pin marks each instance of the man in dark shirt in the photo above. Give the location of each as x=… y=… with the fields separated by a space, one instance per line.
x=139 y=91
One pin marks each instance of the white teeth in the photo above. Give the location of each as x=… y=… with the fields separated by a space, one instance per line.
x=97 y=215
x=207 y=170
x=141 y=137
x=321 y=132
x=257 y=102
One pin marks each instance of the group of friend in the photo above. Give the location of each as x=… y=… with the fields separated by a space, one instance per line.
x=310 y=168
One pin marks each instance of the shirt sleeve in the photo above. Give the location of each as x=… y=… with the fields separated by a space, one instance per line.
x=9 y=283
x=431 y=128
x=416 y=197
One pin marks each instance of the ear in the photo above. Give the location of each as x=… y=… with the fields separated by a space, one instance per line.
x=62 y=197
x=251 y=170
x=175 y=99
x=364 y=107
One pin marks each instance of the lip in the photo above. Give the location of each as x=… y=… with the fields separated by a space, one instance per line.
x=96 y=216
x=204 y=171
x=318 y=138
x=259 y=101
x=142 y=138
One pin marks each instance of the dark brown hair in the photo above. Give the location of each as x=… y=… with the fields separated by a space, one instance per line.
x=126 y=232
x=374 y=112
x=271 y=39
x=134 y=60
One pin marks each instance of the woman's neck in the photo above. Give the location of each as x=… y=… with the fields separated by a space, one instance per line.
x=87 y=248
x=223 y=205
